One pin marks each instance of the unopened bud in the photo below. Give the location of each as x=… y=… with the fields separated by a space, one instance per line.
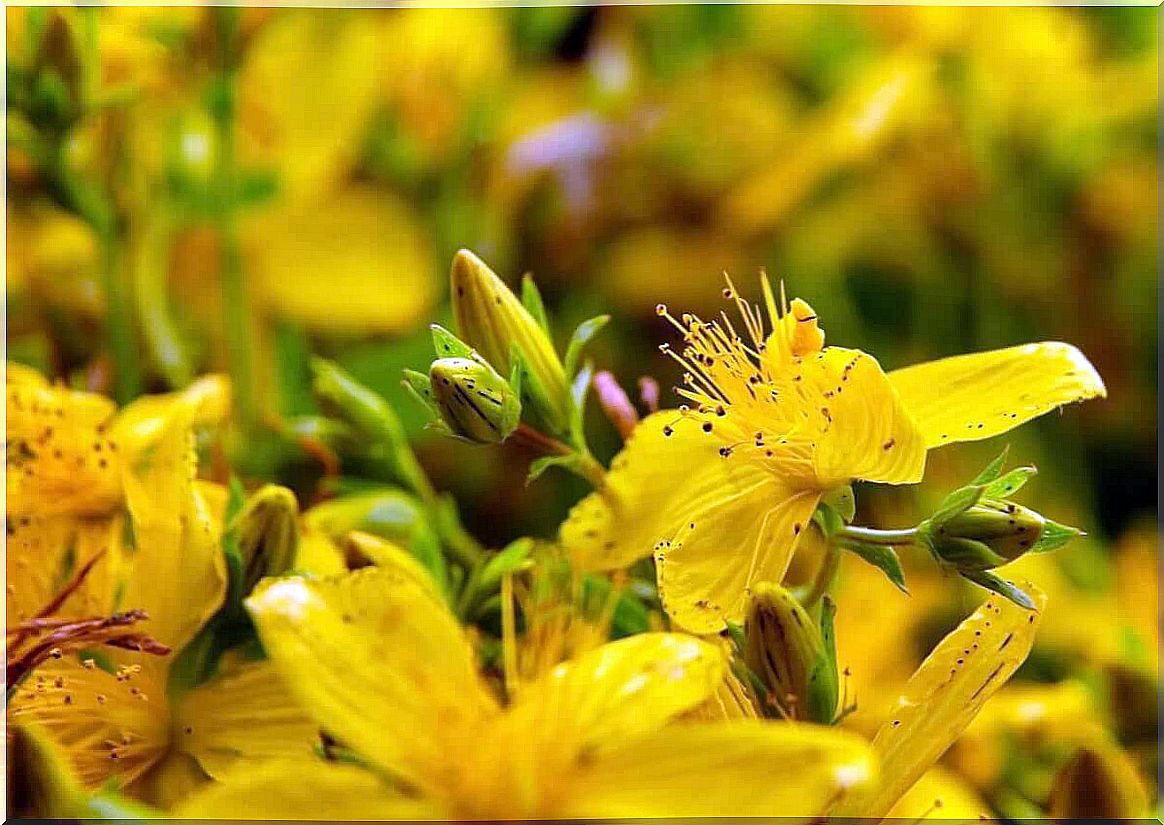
x=789 y=654
x=492 y=320
x=473 y=400
x=987 y=535
x=268 y=534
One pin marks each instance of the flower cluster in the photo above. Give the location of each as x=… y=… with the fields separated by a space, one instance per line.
x=178 y=642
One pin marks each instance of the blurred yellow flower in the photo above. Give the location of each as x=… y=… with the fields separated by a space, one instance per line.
x=116 y=717
x=357 y=261
x=308 y=125
x=388 y=671
x=722 y=490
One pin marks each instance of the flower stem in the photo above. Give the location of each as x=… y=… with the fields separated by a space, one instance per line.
x=872 y=536
x=587 y=465
x=824 y=576
x=235 y=296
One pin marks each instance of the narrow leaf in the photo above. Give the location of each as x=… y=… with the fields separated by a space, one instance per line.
x=992 y=470
x=1010 y=483
x=1001 y=586
x=512 y=559
x=448 y=345
x=420 y=388
x=581 y=337
x=883 y=558
x=531 y=299
x=1054 y=536
x=956 y=502
x=540 y=465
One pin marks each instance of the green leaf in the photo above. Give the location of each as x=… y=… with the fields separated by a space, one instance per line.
x=1000 y=586
x=992 y=470
x=581 y=337
x=448 y=345
x=512 y=559
x=571 y=462
x=419 y=387
x=1010 y=483
x=956 y=502
x=882 y=557
x=1054 y=536
x=578 y=392
x=531 y=299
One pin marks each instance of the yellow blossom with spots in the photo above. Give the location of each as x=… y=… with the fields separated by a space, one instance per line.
x=721 y=490
x=152 y=531
x=389 y=673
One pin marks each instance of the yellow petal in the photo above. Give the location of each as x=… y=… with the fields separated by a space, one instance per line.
x=732 y=768
x=244 y=714
x=60 y=458
x=642 y=498
x=377 y=661
x=44 y=554
x=940 y=794
x=111 y=726
x=970 y=397
x=328 y=264
x=862 y=428
x=177 y=570
x=730 y=538
x=308 y=125
x=620 y=690
x=945 y=694
x=317 y=554
x=303 y=790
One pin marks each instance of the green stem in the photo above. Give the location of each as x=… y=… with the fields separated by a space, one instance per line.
x=872 y=536
x=824 y=576
x=588 y=466
x=119 y=320
x=235 y=296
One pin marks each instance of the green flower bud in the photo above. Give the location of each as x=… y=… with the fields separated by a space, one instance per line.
x=986 y=535
x=473 y=400
x=791 y=655
x=268 y=534
x=492 y=320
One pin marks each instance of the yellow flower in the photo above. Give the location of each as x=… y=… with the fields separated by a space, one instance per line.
x=388 y=671
x=159 y=535
x=722 y=490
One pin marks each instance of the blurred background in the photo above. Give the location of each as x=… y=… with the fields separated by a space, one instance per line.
x=195 y=190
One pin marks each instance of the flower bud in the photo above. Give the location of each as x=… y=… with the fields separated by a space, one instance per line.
x=492 y=320
x=986 y=535
x=790 y=655
x=268 y=534
x=473 y=400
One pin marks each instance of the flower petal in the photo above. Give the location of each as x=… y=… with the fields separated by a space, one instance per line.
x=110 y=725
x=941 y=794
x=295 y=790
x=378 y=661
x=746 y=533
x=728 y=769
x=622 y=689
x=644 y=497
x=864 y=430
x=178 y=574
x=976 y=396
x=244 y=714
x=945 y=694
